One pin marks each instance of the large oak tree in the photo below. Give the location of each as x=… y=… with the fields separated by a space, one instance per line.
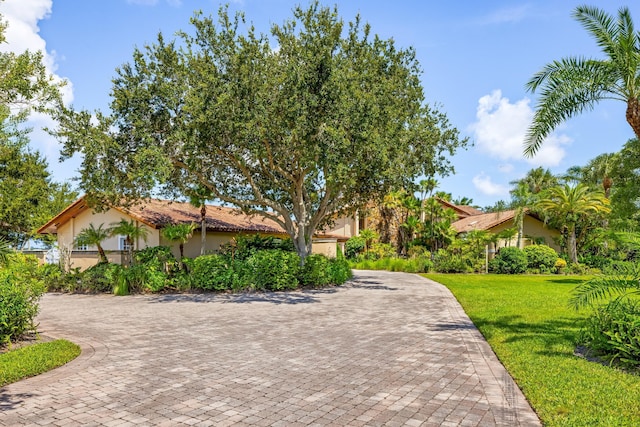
x=310 y=121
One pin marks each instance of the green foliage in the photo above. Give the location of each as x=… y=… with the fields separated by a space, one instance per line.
x=35 y=359
x=613 y=332
x=449 y=262
x=380 y=250
x=339 y=271
x=509 y=261
x=99 y=278
x=20 y=291
x=414 y=265
x=336 y=98
x=541 y=257
x=274 y=269
x=217 y=273
x=572 y=85
x=246 y=245
x=354 y=247
x=94 y=236
x=315 y=271
x=158 y=257
x=533 y=331
x=29 y=197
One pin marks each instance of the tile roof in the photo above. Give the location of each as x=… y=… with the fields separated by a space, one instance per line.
x=160 y=213
x=483 y=221
x=461 y=210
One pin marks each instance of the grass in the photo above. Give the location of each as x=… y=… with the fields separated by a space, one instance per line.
x=35 y=359
x=529 y=325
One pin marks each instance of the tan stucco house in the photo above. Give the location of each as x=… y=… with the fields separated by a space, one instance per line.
x=534 y=228
x=223 y=224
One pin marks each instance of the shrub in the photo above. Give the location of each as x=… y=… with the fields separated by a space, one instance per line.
x=509 y=261
x=448 y=262
x=417 y=251
x=216 y=273
x=245 y=246
x=99 y=278
x=354 y=247
x=20 y=291
x=613 y=332
x=339 y=270
x=380 y=250
x=540 y=257
x=315 y=271
x=159 y=257
x=274 y=269
x=560 y=265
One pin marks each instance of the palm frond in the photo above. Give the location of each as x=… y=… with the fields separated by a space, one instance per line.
x=623 y=283
x=569 y=87
x=600 y=25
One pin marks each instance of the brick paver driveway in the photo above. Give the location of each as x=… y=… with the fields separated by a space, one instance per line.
x=386 y=349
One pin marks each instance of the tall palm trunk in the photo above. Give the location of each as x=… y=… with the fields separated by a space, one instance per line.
x=633 y=115
x=103 y=256
x=572 y=245
x=203 y=228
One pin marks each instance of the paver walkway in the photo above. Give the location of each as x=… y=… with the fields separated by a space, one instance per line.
x=387 y=349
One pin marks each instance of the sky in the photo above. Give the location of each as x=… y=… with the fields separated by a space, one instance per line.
x=476 y=57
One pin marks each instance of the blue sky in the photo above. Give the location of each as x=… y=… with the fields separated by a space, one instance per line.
x=476 y=58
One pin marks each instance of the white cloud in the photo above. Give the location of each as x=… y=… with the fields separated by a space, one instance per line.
x=22 y=17
x=501 y=127
x=485 y=185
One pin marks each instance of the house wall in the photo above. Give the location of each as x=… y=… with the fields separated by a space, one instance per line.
x=326 y=247
x=532 y=227
x=343 y=227
x=68 y=232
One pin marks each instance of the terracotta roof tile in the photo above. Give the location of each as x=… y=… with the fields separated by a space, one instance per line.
x=483 y=221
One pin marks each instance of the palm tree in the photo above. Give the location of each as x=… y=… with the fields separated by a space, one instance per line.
x=179 y=233
x=132 y=233
x=575 y=84
x=599 y=170
x=94 y=236
x=570 y=204
x=198 y=197
x=521 y=199
x=537 y=180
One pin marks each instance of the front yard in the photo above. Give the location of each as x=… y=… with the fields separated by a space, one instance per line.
x=529 y=325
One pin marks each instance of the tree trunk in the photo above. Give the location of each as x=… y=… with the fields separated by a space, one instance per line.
x=302 y=243
x=103 y=256
x=572 y=246
x=633 y=115
x=130 y=251
x=203 y=228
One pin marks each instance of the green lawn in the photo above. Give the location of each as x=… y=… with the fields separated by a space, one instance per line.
x=35 y=359
x=527 y=322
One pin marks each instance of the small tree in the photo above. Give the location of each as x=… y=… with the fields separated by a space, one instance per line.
x=179 y=233
x=132 y=233
x=94 y=236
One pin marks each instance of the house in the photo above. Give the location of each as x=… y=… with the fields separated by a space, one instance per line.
x=534 y=229
x=223 y=224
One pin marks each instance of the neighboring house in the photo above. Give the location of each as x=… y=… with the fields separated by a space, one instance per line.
x=534 y=230
x=223 y=224
x=462 y=211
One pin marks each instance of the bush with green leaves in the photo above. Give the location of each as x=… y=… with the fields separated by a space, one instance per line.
x=509 y=260
x=354 y=247
x=339 y=270
x=274 y=270
x=315 y=271
x=245 y=246
x=450 y=262
x=541 y=257
x=613 y=329
x=613 y=332
x=217 y=273
x=20 y=291
x=159 y=257
x=380 y=250
x=99 y=278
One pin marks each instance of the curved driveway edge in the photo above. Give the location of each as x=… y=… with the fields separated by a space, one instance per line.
x=386 y=349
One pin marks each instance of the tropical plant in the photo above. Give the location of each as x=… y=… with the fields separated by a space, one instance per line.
x=198 y=196
x=5 y=250
x=93 y=236
x=509 y=261
x=132 y=233
x=369 y=237
x=180 y=233
x=575 y=84
x=570 y=204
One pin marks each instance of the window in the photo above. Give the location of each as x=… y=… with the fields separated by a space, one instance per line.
x=83 y=247
x=122 y=243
